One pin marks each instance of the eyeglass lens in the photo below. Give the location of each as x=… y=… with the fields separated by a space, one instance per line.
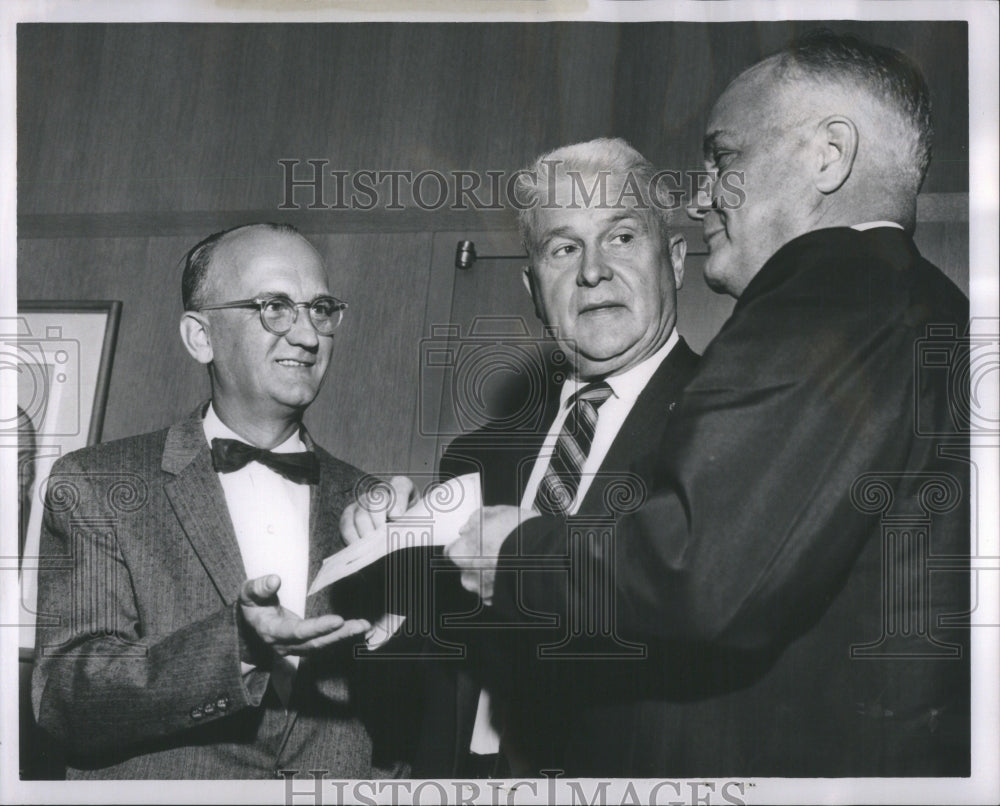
x=280 y=314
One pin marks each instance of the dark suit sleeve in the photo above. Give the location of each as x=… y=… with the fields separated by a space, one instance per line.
x=749 y=528
x=99 y=684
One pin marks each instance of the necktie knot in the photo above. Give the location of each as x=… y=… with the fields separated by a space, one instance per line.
x=594 y=393
x=230 y=455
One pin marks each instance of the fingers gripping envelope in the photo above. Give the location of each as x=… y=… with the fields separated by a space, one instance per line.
x=433 y=521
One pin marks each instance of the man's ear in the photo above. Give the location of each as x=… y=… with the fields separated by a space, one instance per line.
x=678 y=252
x=197 y=340
x=528 y=278
x=837 y=137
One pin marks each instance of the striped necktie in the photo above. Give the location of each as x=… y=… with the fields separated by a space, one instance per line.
x=562 y=477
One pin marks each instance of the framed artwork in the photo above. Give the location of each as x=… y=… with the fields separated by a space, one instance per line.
x=63 y=354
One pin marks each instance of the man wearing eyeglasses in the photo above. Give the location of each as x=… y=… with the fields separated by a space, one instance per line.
x=179 y=649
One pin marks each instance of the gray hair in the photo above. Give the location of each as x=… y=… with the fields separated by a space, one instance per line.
x=603 y=158
x=886 y=75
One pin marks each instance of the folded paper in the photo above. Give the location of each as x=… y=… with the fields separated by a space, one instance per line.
x=434 y=520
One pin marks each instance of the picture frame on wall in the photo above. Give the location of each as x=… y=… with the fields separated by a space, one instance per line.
x=63 y=353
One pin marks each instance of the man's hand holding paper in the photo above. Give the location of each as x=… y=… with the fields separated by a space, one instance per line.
x=478 y=546
x=366 y=517
x=436 y=519
x=471 y=534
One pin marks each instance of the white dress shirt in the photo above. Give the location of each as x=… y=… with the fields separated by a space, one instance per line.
x=270 y=516
x=625 y=390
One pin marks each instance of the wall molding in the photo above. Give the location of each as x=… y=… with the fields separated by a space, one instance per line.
x=198 y=223
x=940 y=207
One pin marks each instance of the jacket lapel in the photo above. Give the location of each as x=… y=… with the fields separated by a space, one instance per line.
x=327 y=500
x=645 y=422
x=200 y=505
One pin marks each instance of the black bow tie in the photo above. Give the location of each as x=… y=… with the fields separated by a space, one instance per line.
x=231 y=454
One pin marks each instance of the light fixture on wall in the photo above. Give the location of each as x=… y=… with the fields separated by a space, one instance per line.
x=466 y=257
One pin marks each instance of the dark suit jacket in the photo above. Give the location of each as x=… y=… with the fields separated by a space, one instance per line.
x=505 y=462
x=788 y=571
x=138 y=662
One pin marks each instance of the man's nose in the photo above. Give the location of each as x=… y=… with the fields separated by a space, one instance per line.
x=594 y=268
x=700 y=204
x=697 y=212
x=303 y=332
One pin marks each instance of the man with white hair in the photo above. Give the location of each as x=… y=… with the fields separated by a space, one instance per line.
x=603 y=273
x=779 y=572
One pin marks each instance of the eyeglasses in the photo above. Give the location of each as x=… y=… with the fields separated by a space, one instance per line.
x=278 y=314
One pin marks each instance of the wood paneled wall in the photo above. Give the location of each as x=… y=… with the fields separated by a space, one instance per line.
x=172 y=117
x=365 y=408
x=135 y=141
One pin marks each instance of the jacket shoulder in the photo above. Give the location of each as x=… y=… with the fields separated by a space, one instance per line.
x=940 y=293
x=879 y=273
x=121 y=474
x=127 y=453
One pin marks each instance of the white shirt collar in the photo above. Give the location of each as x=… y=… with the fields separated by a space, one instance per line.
x=630 y=383
x=874 y=224
x=216 y=429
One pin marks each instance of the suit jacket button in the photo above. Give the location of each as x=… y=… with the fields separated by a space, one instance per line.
x=209 y=708
x=222 y=703
x=196 y=713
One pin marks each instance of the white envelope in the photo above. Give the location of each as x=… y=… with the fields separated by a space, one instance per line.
x=434 y=520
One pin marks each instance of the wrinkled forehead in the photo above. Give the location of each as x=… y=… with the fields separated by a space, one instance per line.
x=595 y=196
x=567 y=187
